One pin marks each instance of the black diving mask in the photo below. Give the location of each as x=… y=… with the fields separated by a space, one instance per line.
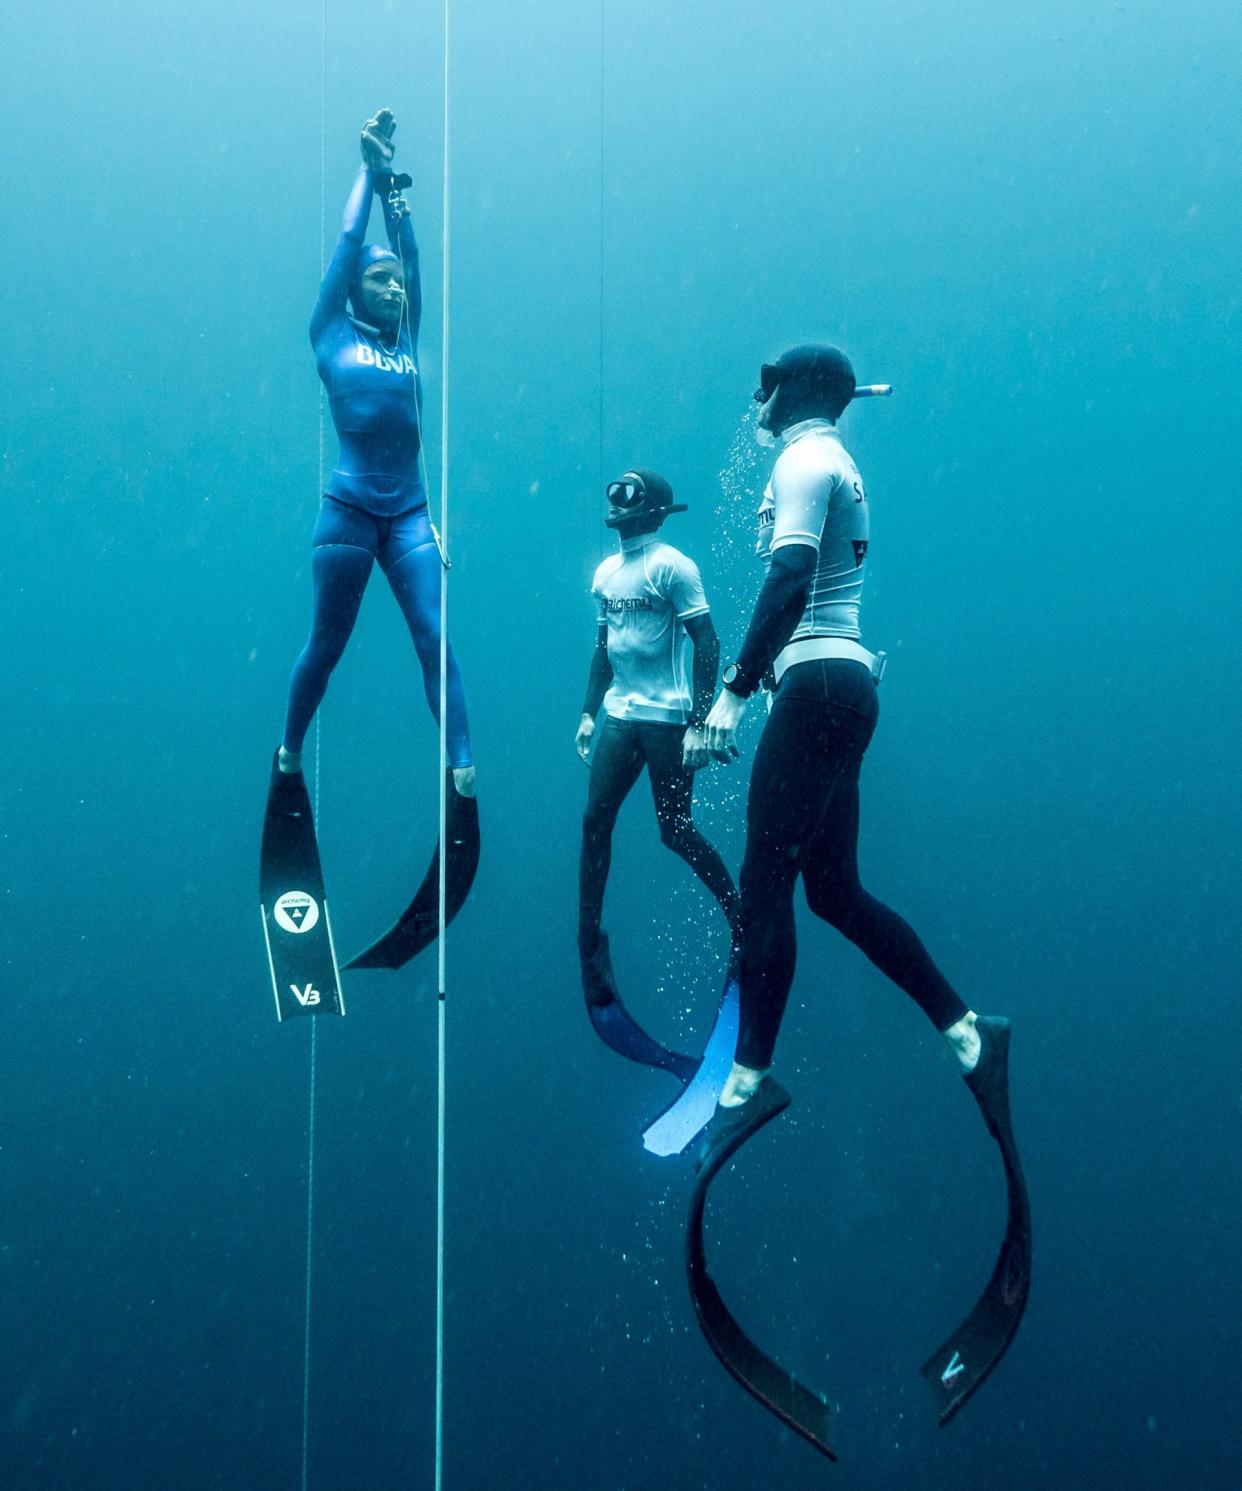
x=769 y=377
x=628 y=493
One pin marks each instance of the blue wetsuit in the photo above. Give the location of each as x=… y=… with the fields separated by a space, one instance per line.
x=375 y=506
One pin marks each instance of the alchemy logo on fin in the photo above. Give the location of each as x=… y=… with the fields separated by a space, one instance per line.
x=954 y=1370
x=295 y=911
x=308 y=997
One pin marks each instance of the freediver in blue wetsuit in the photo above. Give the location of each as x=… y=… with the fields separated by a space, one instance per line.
x=364 y=329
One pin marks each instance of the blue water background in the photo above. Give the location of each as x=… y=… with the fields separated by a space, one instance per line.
x=1024 y=217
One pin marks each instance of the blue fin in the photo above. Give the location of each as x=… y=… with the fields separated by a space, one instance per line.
x=692 y=1111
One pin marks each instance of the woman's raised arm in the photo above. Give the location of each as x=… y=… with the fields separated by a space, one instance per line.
x=376 y=147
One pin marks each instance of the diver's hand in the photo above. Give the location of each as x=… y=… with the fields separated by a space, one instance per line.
x=582 y=741
x=377 y=146
x=694 y=753
x=722 y=722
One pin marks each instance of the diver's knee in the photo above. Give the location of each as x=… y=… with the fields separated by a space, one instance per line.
x=678 y=835
x=597 y=826
x=322 y=653
x=832 y=904
x=426 y=640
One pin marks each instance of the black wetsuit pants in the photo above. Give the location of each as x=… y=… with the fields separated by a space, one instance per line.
x=622 y=749
x=802 y=819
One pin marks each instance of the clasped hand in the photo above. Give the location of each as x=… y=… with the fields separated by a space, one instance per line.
x=697 y=749
x=377 y=133
x=721 y=726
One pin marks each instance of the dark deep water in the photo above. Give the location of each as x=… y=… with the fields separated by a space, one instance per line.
x=1027 y=219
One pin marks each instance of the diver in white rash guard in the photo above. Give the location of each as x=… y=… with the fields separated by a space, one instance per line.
x=652 y=617
x=802 y=816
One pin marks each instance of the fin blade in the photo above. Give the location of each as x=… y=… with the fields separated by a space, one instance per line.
x=418 y=926
x=297 y=930
x=692 y=1109
x=974 y=1349
x=796 y=1405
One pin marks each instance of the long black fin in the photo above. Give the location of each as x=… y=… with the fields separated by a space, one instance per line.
x=297 y=929
x=796 y=1405
x=419 y=924
x=977 y=1345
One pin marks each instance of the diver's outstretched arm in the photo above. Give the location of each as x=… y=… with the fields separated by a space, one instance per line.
x=334 y=291
x=339 y=276
x=781 y=602
x=598 y=680
x=706 y=646
x=801 y=506
x=800 y=499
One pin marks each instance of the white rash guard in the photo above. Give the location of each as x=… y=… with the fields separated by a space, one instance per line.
x=816 y=497
x=645 y=595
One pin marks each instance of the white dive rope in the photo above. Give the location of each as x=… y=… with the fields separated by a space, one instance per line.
x=601 y=477
x=443 y=776
x=441 y=538
x=310 y=1237
x=314 y=1023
